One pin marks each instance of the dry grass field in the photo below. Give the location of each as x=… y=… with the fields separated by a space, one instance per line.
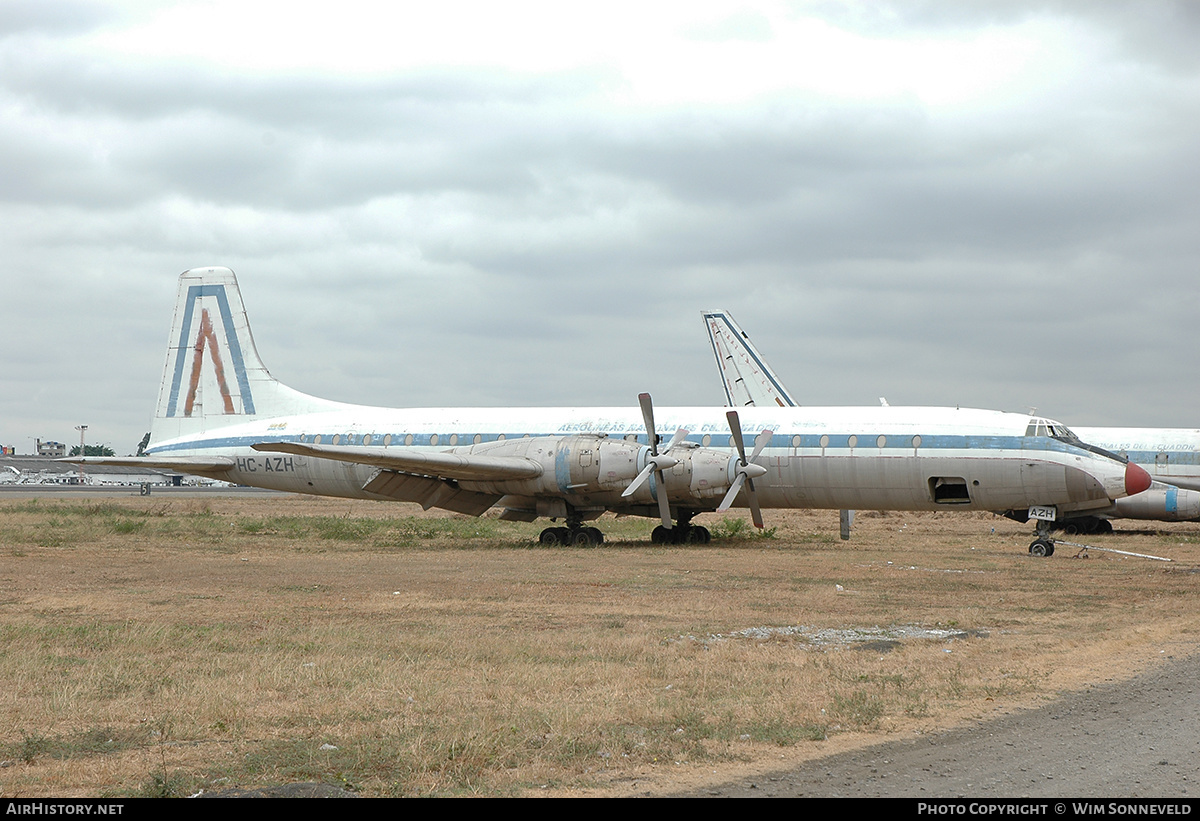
x=164 y=646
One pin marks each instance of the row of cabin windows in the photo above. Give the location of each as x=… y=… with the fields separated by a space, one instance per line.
x=454 y=439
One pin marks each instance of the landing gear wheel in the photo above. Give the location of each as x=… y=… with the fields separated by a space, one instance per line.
x=681 y=534
x=555 y=536
x=1042 y=548
x=586 y=537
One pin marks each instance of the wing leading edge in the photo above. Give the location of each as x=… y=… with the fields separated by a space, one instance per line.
x=457 y=466
x=199 y=465
x=429 y=479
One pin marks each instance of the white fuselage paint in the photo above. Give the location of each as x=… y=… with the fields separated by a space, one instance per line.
x=865 y=458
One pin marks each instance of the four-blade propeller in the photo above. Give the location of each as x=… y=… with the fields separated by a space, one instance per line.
x=656 y=462
x=746 y=471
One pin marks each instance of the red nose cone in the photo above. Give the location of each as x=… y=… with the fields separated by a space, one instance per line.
x=1136 y=479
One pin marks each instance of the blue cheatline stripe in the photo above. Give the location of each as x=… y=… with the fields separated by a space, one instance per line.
x=1149 y=457
x=194 y=293
x=781 y=442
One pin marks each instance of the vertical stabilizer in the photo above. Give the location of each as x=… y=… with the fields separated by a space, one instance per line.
x=213 y=376
x=747 y=378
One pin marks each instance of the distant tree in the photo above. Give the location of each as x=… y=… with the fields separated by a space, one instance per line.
x=93 y=450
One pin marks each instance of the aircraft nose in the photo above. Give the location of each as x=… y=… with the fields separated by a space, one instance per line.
x=1136 y=479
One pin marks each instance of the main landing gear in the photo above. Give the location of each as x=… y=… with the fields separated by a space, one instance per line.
x=592 y=537
x=681 y=534
x=1086 y=525
x=577 y=536
x=684 y=532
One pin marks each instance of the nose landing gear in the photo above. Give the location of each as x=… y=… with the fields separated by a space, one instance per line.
x=1043 y=544
x=1042 y=547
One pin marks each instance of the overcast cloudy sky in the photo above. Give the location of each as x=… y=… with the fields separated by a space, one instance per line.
x=471 y=203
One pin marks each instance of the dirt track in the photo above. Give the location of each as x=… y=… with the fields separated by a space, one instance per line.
x=1135 y=739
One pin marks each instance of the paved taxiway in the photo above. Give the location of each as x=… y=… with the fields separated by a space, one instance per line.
x=1140 y=738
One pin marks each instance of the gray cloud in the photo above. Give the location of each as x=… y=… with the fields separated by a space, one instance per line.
x=52 y=18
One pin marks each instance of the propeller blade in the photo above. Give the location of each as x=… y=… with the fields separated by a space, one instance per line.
x=760 y=442
x=664 y=507
x=734 y=489
x=648 y=418
x=755 y=510
x=639 y=481
x=679 y=436
x=735 y=430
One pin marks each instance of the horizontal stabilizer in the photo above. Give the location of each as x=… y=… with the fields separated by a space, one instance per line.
x=459 y=466
x=180 y=464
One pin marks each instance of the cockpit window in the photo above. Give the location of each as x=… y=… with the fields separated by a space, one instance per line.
x=1062 y=433
x=1055 y=430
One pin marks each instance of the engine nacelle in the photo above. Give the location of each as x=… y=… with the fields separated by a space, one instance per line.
x=587 y=465
x=1164 y=503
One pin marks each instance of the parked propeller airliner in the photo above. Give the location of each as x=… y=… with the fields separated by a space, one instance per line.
x=1170 y=455
x=221 y=415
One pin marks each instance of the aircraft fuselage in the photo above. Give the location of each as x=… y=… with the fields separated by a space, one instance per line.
x=865 y=458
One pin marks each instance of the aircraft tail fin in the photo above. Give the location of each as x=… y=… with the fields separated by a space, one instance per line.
x=747 y=378
x=213 y=375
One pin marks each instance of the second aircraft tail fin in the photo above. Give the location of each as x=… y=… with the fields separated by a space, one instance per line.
x=747 y=378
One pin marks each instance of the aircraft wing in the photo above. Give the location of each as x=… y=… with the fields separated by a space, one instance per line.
x=1184 y=482
x=458 y=466
x=180 y=464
